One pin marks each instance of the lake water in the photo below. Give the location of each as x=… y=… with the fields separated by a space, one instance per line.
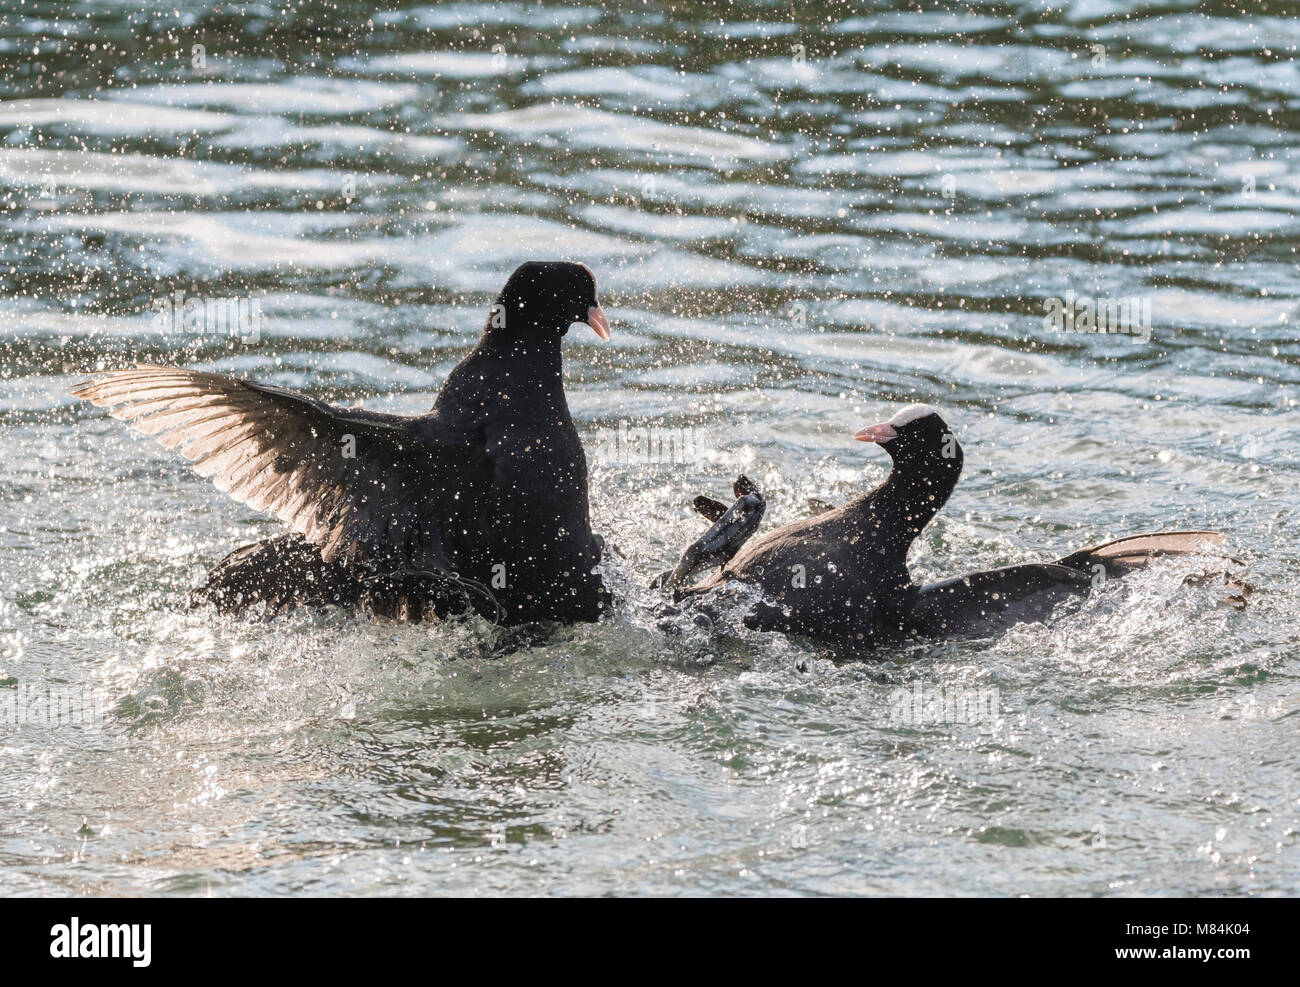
x=799 y=216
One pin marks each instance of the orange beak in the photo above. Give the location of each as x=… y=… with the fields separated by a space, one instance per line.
x=596 y=319
x=877 y=433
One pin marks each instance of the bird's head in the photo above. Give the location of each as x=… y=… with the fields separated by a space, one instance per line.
x=543 y=299
x=920 y=443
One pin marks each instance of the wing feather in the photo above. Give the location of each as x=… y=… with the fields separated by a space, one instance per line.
x=286 y=454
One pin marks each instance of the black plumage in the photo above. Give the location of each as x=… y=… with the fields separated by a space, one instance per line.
x=482 y=502
x=842 y=575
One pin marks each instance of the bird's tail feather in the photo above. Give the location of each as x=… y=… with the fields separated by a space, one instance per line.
x=283 y=572
x=287 y=571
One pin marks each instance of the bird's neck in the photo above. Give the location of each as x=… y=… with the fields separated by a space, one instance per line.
x=899 y=509
x=536 y=350
x=505 y=379
x=519 y=378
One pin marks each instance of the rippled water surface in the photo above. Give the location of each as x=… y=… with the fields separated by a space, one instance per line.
x=799 y=216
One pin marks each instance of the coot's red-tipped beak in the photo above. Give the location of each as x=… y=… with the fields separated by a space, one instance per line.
x=596 y=319
x=877 y=433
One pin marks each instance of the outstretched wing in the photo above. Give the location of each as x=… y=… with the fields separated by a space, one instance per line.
x=362 y=487
x=1124 y=555
x=986 y=602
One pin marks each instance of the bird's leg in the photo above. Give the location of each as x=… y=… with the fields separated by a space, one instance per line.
x=724 y=539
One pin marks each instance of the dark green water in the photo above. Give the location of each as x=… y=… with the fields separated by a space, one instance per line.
x=799 y=217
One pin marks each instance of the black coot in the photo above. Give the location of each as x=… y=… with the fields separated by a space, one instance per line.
x=480 y=502
x=842 y=575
